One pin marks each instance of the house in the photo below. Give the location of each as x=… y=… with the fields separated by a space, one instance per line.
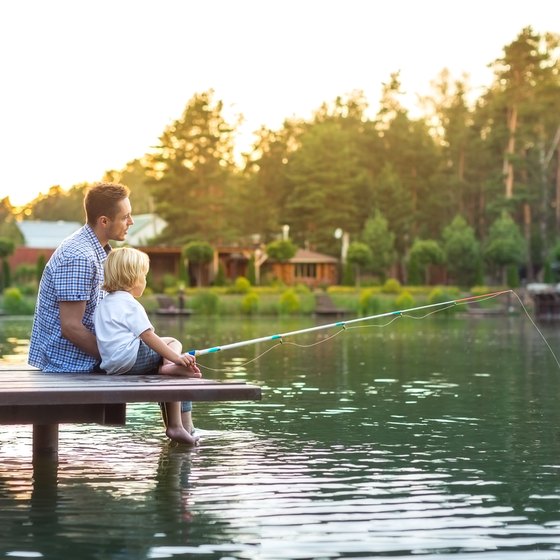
x=305 y=267
x=42 y=237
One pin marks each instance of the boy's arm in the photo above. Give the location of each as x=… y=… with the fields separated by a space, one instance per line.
x=72 y=328
x=150 y=338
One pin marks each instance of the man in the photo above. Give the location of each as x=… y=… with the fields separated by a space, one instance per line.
x=63 y=336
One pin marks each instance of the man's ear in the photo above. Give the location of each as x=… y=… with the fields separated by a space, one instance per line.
x=103 y=220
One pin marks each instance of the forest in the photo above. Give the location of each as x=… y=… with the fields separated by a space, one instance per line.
x=472 y=185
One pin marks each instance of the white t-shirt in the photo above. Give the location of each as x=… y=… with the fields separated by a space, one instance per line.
x=119 y=321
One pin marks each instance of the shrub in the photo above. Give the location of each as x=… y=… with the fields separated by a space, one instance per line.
x=404 y=300
x=439 y=295
x=391 y=286
x=369 y=303
x=14 y=302
x=289 y=302
x=241 y=286
x=205 y=302
x=250 y=303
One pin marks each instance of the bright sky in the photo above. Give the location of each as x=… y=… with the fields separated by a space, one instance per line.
x=89 y=85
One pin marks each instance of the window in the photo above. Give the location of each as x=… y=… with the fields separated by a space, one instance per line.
x=306 y=270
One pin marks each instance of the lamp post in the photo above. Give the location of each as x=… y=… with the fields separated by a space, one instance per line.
x=339 y=233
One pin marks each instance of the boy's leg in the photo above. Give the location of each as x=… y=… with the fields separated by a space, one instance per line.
x=186 y=416
x=174 y=426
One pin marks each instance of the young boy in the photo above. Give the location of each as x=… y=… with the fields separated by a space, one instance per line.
x=126 y=338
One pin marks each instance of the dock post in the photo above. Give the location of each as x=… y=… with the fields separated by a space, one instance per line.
x=45 y=441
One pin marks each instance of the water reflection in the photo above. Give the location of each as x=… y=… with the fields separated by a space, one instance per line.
x=432 y=438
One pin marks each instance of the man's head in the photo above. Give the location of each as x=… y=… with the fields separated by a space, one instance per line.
x=108 y=211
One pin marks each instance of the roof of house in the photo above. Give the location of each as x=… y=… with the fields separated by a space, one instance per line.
x=146 y=227
x=307 y=256
x=43 y=234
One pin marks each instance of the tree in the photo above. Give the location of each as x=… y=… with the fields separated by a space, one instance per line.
x=7 y=247
x=192 y=170
x=462 y=251
x=381 y=241
x=59 y=204
x=327 y=187
x=505 y=245
x=198 y=253
x=281 y=250
x=135 y=177
x=426 y=252
x=359 y=255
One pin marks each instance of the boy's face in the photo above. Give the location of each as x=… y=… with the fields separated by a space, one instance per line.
x=138 y=289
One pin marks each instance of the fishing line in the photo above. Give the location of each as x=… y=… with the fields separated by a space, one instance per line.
x=346 y=325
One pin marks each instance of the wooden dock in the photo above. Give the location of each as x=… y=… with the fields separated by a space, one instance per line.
x=29 y=396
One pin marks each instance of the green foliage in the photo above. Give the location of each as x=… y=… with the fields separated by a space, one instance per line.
x=206 y=302
x=40 y=266
x=369 y=303
x=198 y=252
x=391 y=286
x=14 y=303
x=192 y=170
x=439 y=295
x=7 y=247
x=462 y=251
x=220 y=279
x=251 y=272
x=381 y=241
x=404 y=300
x=426 y=252
x=359 y=255
x=513 y=276
x=289 y=303
x=505 y=244
x=60 y=204
x=348 y=278
x=240 y=286
x=250 y=303
x=281 y=250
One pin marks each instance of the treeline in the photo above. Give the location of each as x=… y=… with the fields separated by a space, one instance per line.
x=474 y=184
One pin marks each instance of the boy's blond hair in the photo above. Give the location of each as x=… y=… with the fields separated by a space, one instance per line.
x=123 y=268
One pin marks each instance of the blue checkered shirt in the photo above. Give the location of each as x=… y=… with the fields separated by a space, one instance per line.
x=73 y=273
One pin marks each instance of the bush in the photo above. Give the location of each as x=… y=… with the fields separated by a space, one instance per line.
x=439 y=295
x=15 y=304
x=250 y=303
x=391 y=286
x=241 y=286
x=289 y=302
x=404 y=300
x=205 y=302
x=369 y=303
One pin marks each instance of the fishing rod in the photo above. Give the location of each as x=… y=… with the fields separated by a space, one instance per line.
x=280 y=337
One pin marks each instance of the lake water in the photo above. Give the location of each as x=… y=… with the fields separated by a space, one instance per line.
x=435 y=439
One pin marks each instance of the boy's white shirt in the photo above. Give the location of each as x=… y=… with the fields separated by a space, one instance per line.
x=119 y=321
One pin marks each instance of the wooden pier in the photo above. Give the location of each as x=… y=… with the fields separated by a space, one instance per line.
x=29 y=396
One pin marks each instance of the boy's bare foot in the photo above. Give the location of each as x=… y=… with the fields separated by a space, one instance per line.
x=180 y=435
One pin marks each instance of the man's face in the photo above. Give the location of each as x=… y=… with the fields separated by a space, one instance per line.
x=118 y=227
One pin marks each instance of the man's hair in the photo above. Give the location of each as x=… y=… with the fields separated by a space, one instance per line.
x=123 y=268
x=102 y=199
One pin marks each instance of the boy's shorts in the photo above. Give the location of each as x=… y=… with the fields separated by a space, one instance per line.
x=147 y=361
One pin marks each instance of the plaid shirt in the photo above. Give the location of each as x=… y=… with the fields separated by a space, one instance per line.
x=73 y=273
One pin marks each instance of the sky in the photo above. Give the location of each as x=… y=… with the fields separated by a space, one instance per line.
x=88 y=86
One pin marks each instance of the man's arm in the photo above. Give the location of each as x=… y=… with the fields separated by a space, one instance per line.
x=71 y=315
